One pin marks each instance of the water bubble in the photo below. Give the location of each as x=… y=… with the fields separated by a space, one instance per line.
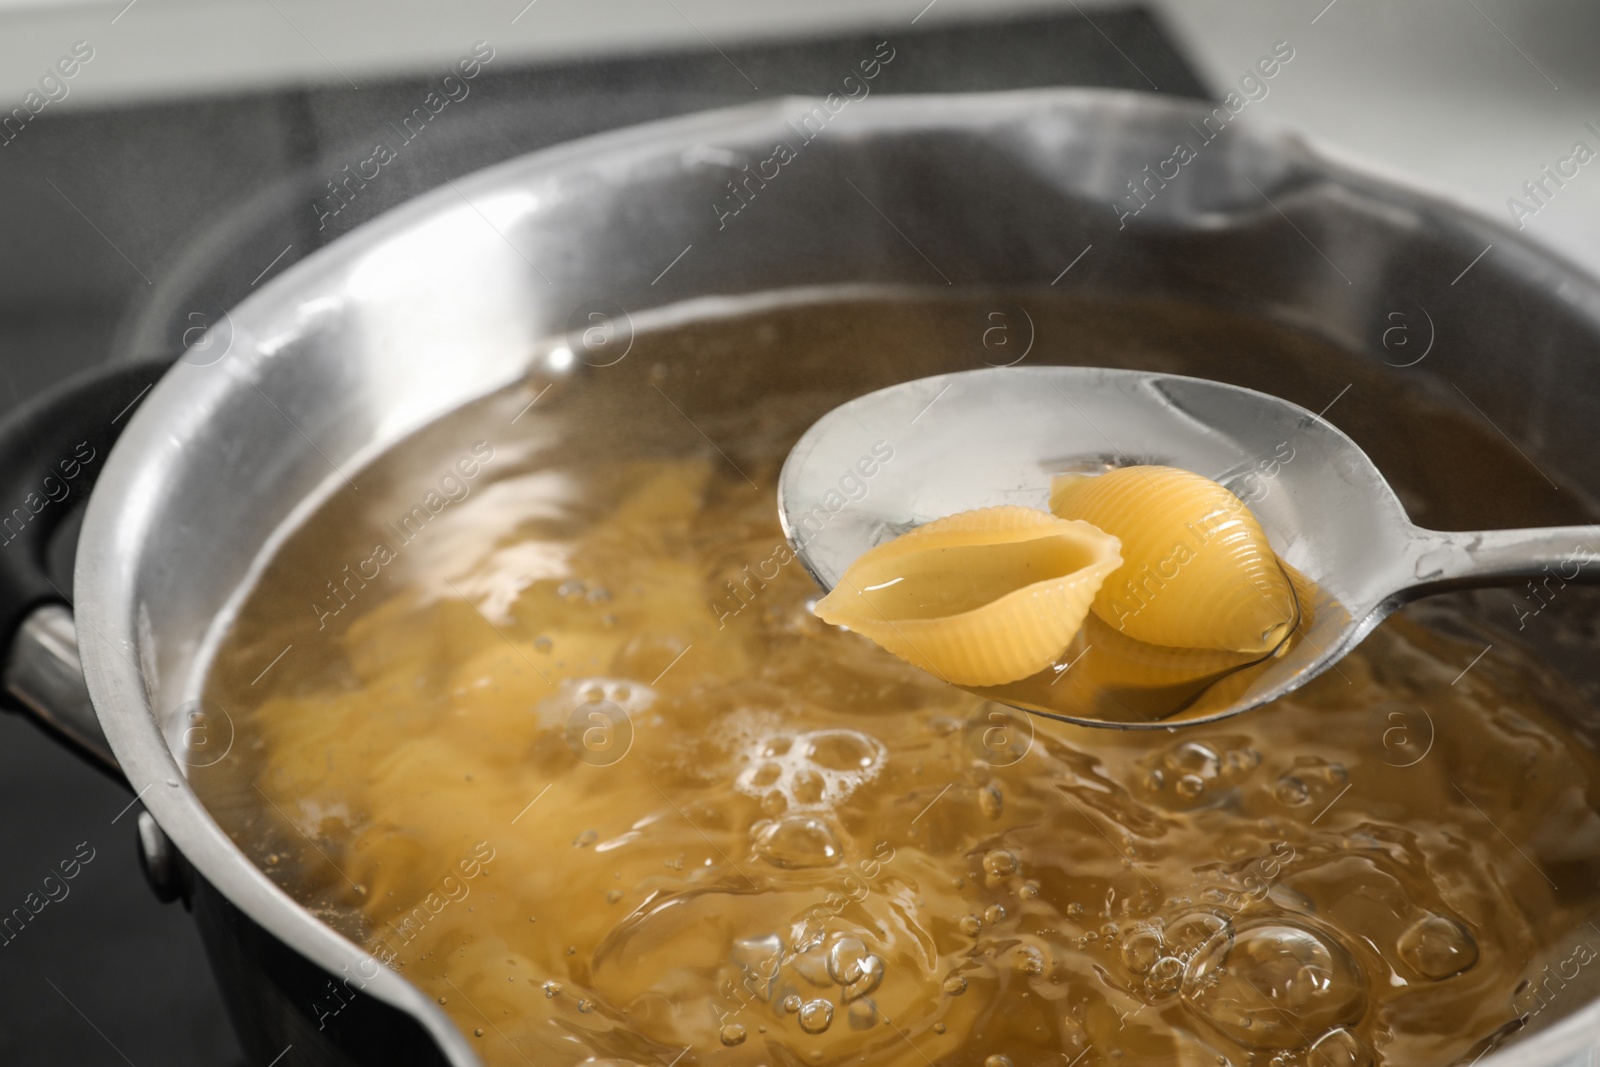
x=1266 y=984
x=970 y=925
x=1437 y=947
x=796 y=841
x=791 y=1003
x=938 y=1028
x=586 y=1006
x=1075 y=910
x=871 y=978
x=816 y=1016
x=842 y=750
x=994 y=913
x=997 y=1060
x=1290 y=899
x=809 y=789
x=954 y=986
x=1154 y=780
x=844 y=959
x=1308 y=775
x=1190 y=786
x=818 y=769
x=812 y=965
x=1193 y=757
x=732 y=1034
x=854 y=968
x=585 y=839
x=1030 y=961
x=1292 y=791
x=1165 y=976
x=1242 y=760
x=1141 y=949
x=1339 y=1048
x=613 y=896
x=998 y=866
x=1029 y=891
x=478 y=1032
x=552 y=990
x=990 y=802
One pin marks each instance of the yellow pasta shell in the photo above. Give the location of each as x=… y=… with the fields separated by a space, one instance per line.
x=977 y=598
x=1197 y=572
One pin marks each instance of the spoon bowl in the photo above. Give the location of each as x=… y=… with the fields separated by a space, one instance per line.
x=887 y=462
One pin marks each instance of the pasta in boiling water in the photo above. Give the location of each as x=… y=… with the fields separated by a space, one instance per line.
x=581 y=765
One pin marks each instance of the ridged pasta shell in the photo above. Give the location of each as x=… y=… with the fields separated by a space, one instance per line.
x=1197 y=572
x=977 y=598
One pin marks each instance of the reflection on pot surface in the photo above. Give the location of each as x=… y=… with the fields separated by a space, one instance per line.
x=558 y=737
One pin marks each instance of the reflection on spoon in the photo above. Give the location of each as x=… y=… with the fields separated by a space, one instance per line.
x=999 y=436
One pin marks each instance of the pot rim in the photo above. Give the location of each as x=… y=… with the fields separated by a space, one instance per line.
x=113 y=646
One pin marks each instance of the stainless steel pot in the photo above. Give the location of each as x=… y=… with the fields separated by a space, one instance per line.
x=449 y=297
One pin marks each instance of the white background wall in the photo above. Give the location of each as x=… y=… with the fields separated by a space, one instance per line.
x=1472 y=96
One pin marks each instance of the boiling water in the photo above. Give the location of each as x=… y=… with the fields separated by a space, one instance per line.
x=557 y=736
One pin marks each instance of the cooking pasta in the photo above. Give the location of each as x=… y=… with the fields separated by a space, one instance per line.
x=581 y=763
x=1172 y=562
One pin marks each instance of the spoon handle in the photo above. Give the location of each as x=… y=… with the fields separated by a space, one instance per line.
x=1449 y=560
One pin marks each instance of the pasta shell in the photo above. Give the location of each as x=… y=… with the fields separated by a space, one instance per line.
x=977 y=598
x=1197 y=572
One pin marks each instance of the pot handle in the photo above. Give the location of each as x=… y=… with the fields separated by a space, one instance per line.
x=52 y=449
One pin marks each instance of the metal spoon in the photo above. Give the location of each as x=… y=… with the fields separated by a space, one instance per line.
x=889 y=461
